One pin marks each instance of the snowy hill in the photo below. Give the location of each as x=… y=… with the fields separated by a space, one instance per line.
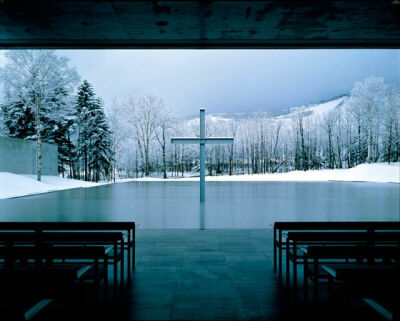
x=315 y=110
x=312 y=110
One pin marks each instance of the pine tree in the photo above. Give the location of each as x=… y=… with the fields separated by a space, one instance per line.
x=94 y=142
x=58 y=123
x=84 y=103
x=100 y=150
x=18 y=119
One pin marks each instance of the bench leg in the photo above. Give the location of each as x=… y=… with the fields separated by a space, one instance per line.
x=122 y=263
x=316 y=280
x=305 y=279
x=330 y=289
x=295 y=268
x=105 y=278
x=280 y=253
x=287 y=263
x=133 y=248
x=274 y=249
x=280 y=260
x=129 y=254
x=115 y=266
x=96 y=280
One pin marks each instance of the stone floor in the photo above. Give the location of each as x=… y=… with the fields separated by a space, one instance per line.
x=203 y=275
x=208 y=274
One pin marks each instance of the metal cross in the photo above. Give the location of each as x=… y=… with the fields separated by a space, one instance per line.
x=202 y=141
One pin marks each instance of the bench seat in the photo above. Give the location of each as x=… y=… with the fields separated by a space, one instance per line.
x=388 y=309
x=22 y=309
x=364 y=279
x=38 y=274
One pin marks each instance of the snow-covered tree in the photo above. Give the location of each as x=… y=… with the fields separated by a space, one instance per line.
x=366 y=98
x=334 y=134
x=119 y=132
x=163 y=131
x=37 y=85
x=142 y=115
x=100 y=149
x=94 y=151
x=391 y=120
x=85 y=102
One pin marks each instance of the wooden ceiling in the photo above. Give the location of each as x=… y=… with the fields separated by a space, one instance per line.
x=200 y=24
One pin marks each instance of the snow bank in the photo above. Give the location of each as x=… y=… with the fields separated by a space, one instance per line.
x=13 y=185
x=379 y=173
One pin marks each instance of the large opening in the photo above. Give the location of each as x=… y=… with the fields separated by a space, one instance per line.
x=94 y=143
x=316 y=135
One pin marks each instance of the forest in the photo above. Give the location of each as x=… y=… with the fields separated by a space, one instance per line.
x=45 y=100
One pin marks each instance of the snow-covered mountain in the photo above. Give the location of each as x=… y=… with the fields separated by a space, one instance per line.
x=315 y=110
x=311 y=110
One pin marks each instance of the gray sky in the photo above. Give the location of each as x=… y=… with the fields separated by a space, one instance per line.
x=232 y=80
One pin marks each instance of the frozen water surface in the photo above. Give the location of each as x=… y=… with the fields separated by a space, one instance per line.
x=228 y=205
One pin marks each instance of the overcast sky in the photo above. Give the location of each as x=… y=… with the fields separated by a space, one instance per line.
x=231 y=80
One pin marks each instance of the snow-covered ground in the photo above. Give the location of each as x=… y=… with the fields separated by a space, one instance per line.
x=14 y=185
x=379 y=173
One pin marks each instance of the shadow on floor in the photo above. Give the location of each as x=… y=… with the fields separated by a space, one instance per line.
x=204 y=275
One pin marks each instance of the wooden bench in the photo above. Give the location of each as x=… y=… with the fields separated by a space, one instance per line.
x=387 y=309
x=60 y=245
x=296 y=239
x=114 y=239
x=363 y=275
x=360 y=254
x=35 y=288
x=38 y=274
x=282 y=228
x=26 y=260
x=23 y=309
x=128 y=228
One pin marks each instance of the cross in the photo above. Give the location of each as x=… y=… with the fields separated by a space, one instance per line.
x=203 y=140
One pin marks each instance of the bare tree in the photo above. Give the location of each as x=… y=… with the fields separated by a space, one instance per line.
x=366 y=98
x=390 y=123
x=329 y=122
x=142 y=114
x=162 y=129
x=118 y=131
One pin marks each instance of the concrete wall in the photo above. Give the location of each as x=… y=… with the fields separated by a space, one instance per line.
x=19 y=156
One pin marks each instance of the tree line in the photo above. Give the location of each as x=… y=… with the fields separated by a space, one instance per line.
x=361 y=127
x=44 y=101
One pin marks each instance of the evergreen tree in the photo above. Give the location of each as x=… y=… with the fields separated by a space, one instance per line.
x=100 y=150
x=59 y=124
x=18 y=119
x=94 y=143
x=85 y=101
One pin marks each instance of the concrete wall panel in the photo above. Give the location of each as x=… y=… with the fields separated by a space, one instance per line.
x=19 y=156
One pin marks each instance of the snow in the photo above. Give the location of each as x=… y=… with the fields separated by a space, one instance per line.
x=319 y=109
x=14 y=185
x=316 y=111
x=377 y=173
